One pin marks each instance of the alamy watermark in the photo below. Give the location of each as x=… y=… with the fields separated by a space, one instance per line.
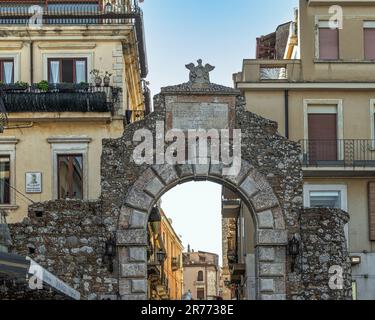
x=336 y=281
x=336 y=21
x=196 y=147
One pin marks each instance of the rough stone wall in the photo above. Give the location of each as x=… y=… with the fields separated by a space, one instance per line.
x=69 y=241
x=11 y=290
x=323 y=246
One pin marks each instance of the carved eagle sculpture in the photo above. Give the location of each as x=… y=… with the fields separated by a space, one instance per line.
x=199 y=74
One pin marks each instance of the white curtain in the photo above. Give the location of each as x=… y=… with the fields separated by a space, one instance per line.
x=8 y=72
x=55 y=71
x=80 y=71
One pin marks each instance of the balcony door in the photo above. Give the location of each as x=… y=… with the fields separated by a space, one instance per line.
x=322 y=130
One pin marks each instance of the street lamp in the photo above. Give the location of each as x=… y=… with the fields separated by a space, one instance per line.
x=293 y=250
x=160 y=256
x=110 y=252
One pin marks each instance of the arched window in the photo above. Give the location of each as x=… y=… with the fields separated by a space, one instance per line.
x=200 y=276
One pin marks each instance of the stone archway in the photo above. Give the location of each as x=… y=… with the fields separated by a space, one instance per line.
x=249 y=184
x=270 y=180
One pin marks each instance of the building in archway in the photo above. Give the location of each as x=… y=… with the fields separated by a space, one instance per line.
x=164 y=254
x=201 y=275
x=319 y=88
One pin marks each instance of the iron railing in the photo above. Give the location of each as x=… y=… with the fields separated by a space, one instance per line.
x=60 y=98
x=338 y=153
x=34 y=12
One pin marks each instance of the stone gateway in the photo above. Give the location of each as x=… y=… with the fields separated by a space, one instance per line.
x=70 y=236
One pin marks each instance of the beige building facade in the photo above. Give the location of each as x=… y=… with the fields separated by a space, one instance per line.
x=201 y=275
x=57 y=111
x=322 y=95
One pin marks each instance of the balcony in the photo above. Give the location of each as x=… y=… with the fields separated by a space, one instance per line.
x=257 y=70
x=347 y=154
x=59 y=98
x=70 y=12
x=176 y=264
x=35 y=14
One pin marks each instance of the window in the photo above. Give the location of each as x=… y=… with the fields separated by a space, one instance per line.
x=369 y=40
x=325 y=195
x=325 y=199
x=323 y=132
x=67 y=70
x=200 y=294
x=7 y=71
x=328 y=42
x=70 y=177
x=4 y=180
x=200 y=276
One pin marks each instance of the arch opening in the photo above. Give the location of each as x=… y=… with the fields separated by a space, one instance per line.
x=270 y=236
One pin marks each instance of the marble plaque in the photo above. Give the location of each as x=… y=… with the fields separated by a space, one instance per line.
x=191 y=115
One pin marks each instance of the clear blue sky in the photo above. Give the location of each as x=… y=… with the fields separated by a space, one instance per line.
x=222 y=33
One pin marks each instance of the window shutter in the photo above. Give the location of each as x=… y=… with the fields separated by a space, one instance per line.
x=369 y=38
x=328 y=44
x=371 y=208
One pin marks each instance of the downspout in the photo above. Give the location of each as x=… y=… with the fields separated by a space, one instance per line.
x=286 y=105
x=31 y=62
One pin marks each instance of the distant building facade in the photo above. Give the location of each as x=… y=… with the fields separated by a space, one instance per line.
x=201 y=275
x=173 y=267
x=164 y=269
x=238 y=275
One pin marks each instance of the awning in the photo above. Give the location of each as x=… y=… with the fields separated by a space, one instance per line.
x=21 y=269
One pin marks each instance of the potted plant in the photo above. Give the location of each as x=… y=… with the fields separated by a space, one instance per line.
x=84 y=86
x=43 y=85
x=21 y=85
x=97 y=78
x=107 y=78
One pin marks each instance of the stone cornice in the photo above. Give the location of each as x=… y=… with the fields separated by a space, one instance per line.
x=190 y=88
x=65 y=32
x=69 y=139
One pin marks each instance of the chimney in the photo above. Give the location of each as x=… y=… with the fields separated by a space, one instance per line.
x=189 y=248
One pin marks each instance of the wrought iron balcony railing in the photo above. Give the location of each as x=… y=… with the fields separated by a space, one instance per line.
x=59 y=98
x=29 y=12
x=338 y=153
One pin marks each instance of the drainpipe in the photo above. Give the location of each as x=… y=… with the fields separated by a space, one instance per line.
x=286 y=104
x=31 y=62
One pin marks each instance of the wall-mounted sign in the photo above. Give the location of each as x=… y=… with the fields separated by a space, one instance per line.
x=33 y=182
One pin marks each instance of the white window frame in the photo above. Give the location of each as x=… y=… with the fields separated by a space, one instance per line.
x=8 y=148
x=325 y=106
x=16 y=63
x=342 y=188
x=70 y=145
x=88 y=56
x=321 y=22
